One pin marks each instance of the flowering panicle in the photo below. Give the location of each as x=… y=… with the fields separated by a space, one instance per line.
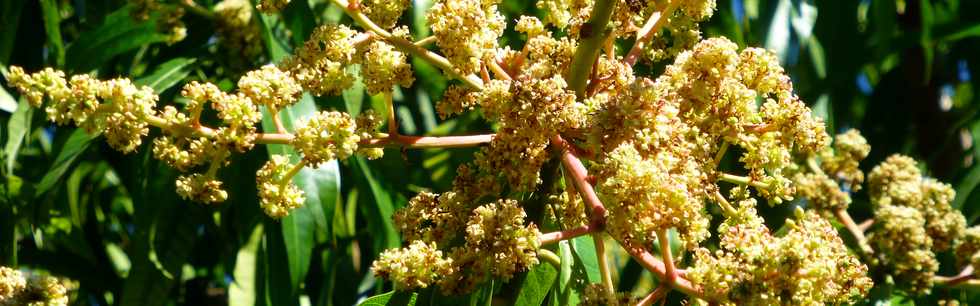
x=498 y=244
x=383 y=67
x=809 y=265
x=319 y=65
x=277 y=193
x=384 y=13
x=898 y=182
x=34 y=290
x=466 y=31
x=271 y=6
x=850 y=148
x=899 y=233
x=416 y=266
x=431 y=217
x=648 y=195
x=238 y=34
x=325 y=136
x=117 y=108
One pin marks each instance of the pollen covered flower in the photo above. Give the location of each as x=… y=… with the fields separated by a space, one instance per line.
x=277 y=194
x=325 y=136
x=417 y=266
x=431 y=217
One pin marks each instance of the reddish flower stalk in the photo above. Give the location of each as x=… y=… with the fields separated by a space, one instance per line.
x=552 y=237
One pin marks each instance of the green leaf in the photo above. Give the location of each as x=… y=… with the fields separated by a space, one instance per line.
x=77 y=143
x=354 y=96
x=242 y=291
x=585 y=255
x=168 y=74
x=118 y=34
x=52 y=27
x=964 y=32
x=321 y=187
x=378 y=215
x=275 y=47
x=7 y=102
x=10 y=12
x=17 y=128
x=392 y=298
x=537 y=283
x=566 y=293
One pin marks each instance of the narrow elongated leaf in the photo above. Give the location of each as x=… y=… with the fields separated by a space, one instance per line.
x=392 y=298
x=167 y=74
x=52 y=27
x=77 y=143
x=10 y=13
x=379 y=214
x=242 y=291
x=17 y=128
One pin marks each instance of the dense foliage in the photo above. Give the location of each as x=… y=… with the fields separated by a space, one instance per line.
x=448 y=152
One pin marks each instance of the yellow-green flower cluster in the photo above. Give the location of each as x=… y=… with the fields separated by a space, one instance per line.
x=117 y=108
x=529 y=112
x=850 y=148
x=383 y=67
x=898 y=182
x=368 y=123
x=270 y=86
x=466 y=31
x=319 y=65
x=595 y=295
x=238 y=34
x=652 y=194
x=417 y=266
x=498 y=244
x=716 y=88
x=11 y=282
x=36 y=290
x=271 y=6
x=325 y=136
x=899 y=233
x=821 y=192
x=431 y=217
x=810 y=265
x=967 y=245
x=277 y=194
x=201 y=188
x=384 y=13
x=564 y=13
